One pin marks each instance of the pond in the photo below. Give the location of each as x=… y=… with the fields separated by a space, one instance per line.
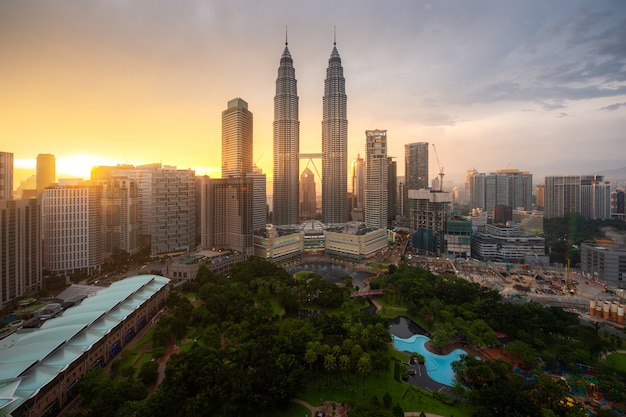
x=332 y=272
x=404 y=327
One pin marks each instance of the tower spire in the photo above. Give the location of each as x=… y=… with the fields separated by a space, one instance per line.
x=285 y=35
x=335 y=35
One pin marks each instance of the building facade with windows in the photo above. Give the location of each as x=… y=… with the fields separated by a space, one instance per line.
x=6 y=176
x=236 y=139
x=334 y=143
x=72 y=227
x=376 y=170
x=286 y=144
x=562 y=196
x=20 y=249
x=604 y=262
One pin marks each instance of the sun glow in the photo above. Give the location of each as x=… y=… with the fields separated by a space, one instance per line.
x=79 y=166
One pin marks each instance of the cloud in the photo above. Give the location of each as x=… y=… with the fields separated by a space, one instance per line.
x=615 y=106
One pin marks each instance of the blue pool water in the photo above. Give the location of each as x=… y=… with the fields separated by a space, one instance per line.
x=439 y=367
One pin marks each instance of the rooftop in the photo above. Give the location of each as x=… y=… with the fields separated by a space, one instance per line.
x=30 y=360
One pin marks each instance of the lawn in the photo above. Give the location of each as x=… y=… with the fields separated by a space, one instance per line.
x=350 y=389
x=617 y=361
x=289 y=410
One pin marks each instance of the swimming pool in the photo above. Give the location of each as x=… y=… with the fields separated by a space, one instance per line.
x=439 y=367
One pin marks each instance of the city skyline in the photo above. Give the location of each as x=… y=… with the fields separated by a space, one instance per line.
x=492 y=84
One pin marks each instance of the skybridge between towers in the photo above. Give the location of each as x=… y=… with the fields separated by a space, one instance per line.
x=311 y=157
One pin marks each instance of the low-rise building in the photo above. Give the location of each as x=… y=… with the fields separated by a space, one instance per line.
x=459 y=237
x=604 y=262
x=355 y=240
x=505 y=243
x=40 y=369
x=277 y=243
x=185 y=267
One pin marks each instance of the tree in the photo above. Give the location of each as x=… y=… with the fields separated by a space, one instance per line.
x=149 y=372
x=398 y=411
x=495 y=388
x=364 y=367
x=387 y=400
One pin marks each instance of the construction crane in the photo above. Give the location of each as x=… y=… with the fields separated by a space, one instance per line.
x=441 y=174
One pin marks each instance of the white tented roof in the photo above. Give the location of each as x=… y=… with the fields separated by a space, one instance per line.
x=30 y=360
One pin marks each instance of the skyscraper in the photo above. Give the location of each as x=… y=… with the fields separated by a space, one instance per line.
x=236 y=139
x=307 y=194
x=20 y=248
x=595 y=198
x=416 y=165
x=376 y=191
x=72 y=227
x=226 y=213
x=415 y=170
x=392 y=186
x=562 y=196
x=120 y=210
x=46 y=171
x=506 y=187
x=334 y=143
x=6 y=176
x=166 y=206
x=357 y=174
x=286 y=144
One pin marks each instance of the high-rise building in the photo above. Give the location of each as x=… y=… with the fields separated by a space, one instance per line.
x=46 y=171
x=120 y=210
x=429 y=218
x=392 y=186
x=520 y=188
x=72 y=227
x=357 y=174
x=334 y=143
x=376 y=191
x=401 y=200
x=286 y=144
x=226 y=213
x=236 y=139
x=173 y=205
x=562 y=196
x=468 y=175
x=477 y=187
x=540 y=196
x=6 y=176
x=165 y=206
x=416 y=165
x=415 y=170
x=259 y=198
x=307 y=194
x=617 y=204
x=20 y=248
x=511 y=188
x=595 y=197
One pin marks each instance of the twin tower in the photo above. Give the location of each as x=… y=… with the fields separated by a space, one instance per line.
x=287 y=144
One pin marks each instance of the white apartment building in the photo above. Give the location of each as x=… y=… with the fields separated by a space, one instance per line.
x=72 y=223
x=376 y=171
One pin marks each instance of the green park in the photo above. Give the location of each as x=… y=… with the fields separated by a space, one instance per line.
x=265 y=342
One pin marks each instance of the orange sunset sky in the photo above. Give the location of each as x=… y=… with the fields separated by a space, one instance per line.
x=536 y=85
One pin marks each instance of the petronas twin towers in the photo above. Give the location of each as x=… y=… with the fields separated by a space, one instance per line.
x=287 y=144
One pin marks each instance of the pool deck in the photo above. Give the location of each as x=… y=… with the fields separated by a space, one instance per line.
x=422 y=380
